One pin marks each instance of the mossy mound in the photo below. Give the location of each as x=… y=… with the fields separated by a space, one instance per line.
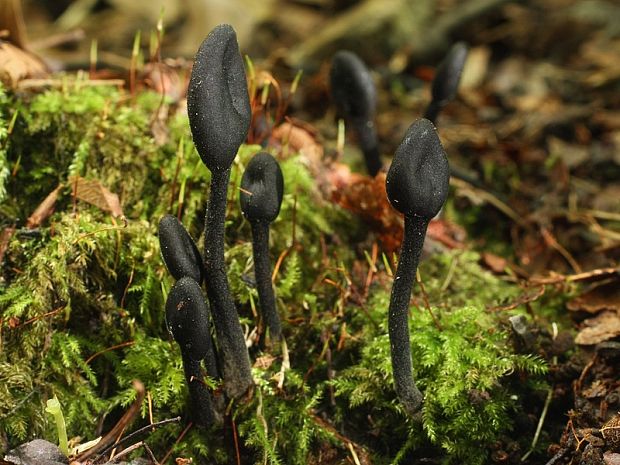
x=82 y=297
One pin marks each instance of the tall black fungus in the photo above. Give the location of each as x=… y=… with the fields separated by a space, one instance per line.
x=260 y=197
x=219 y=114
x=355 y=96
x=446 y=80
x=417 y=186
x=187 y=316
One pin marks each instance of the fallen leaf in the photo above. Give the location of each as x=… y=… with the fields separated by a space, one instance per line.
x=494 y=262
x=605 y=296
x=604 y=326
x=17 y=64
x=44 y=210
x=94 y=193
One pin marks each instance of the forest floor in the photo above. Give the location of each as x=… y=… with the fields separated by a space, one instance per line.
x=517 y=313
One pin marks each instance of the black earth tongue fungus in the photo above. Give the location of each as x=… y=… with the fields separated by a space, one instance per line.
x=219 y=113
x=179 y=251
x=187 y=316
x=355 y=96
x=446 y=81
x=262 y=187
x=417 y=186
x=182 y=259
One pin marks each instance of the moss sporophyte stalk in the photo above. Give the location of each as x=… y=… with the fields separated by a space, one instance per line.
x=54 y=409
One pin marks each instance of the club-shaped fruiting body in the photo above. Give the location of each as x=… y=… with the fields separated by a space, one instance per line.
x=262 y=187
x=219 y=115
x=446 y=82
x=355 y=96
x=417 y=186
x=179 y=250
x=419 y=176
x=217 y=99
x=187 y=317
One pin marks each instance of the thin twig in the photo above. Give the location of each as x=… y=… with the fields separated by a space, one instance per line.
x=129 y=415
x=134 y=434
x=179 y=439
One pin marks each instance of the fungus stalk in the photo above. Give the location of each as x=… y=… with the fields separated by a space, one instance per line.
x=398 y=313
x=235 y=358
x=262 y=273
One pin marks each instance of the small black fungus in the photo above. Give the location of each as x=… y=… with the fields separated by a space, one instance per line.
x=262 y=187
x=355 y=96
x=179 y=250
x=187 y=317
x=446 y=81
x=417 y=186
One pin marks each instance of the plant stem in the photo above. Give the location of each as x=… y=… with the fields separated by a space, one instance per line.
x=235 y=358
x=398 y=319
x=262 y=272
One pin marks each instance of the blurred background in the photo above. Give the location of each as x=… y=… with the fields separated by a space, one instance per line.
x=304 y=32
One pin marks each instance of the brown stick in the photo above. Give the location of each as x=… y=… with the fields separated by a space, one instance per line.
x=125 y=420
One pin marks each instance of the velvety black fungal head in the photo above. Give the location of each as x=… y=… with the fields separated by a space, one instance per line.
x=418 y=179
x=448 y=74
x=187 y=316
x=352 y=87
x=179 y=250
x=218 y=105
x=262 y=187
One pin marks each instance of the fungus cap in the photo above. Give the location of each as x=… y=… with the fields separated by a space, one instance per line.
x=262 y=188
x=179 y=250
x=187 y=316
x=418 y=179
x=218 y=104
x=352 y=87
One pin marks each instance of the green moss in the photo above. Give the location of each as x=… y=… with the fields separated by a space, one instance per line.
x=463 y=361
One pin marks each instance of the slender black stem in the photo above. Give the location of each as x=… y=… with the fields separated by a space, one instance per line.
x=234 y=353
x=432 y=111
x=210 y=359
x=367 y=139
x=203 y=412
x=398 y=320
x=262 y=272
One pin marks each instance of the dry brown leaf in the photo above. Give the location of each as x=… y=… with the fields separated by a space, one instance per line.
x=597 y=298
x=494 y=262
x=94 y=193
x=604 y=326
x=17 y=64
